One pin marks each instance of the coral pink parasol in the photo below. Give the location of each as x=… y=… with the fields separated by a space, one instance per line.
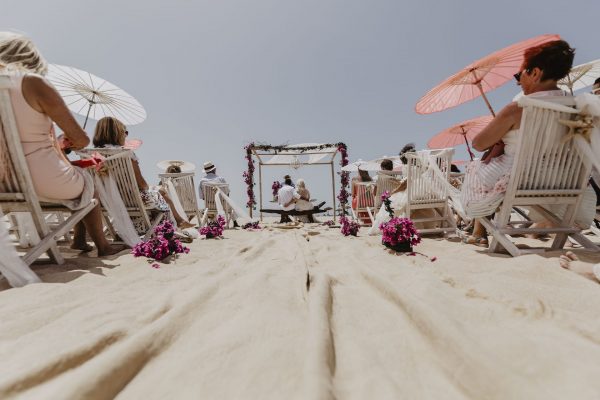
x=478 y=78
x=459 y=134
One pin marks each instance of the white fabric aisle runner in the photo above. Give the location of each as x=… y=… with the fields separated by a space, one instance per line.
x=11 y=266
x=111 y=200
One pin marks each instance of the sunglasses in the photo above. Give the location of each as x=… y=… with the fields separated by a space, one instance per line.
x=126 y=133
x=517 y=76
x=596 y=91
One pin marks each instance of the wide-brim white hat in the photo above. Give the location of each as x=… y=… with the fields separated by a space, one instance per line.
x=184 y=165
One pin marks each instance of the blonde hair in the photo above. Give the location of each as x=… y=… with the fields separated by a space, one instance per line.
x=18 y=52
x=109 y=131
x=300 y=184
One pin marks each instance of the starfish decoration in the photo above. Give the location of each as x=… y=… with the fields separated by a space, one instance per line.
x=583 y=124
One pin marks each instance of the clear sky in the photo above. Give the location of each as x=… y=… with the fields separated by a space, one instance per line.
x=215 y=75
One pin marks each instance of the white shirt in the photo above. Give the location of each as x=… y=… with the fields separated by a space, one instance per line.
x=284 y=195
x=211 y=177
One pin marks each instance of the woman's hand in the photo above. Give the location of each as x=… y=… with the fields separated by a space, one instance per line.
x=42 y=97
x=507 y=119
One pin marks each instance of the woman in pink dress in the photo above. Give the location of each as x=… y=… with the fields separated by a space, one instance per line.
x=37 y=105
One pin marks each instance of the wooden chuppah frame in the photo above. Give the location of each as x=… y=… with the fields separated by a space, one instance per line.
x=260 y=151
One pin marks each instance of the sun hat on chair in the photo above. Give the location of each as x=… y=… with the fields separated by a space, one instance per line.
x=209 y=167
x=185 y=166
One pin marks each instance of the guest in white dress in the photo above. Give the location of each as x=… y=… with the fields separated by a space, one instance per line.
x=486 y=179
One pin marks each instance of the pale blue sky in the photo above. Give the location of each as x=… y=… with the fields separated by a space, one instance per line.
x=214 y=75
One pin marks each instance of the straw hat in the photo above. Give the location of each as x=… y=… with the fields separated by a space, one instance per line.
x=184 y=165
x=209 y=167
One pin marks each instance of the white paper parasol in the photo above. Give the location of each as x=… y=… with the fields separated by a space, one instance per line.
x=93 y=97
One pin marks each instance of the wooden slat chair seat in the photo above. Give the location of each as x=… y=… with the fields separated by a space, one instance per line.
x=425 y=192
x=17 y=193
x=547 y=171
x=186 y=191
x=118 y=163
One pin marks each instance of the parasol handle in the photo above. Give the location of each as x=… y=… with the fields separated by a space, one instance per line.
x=87 y=116
x=467 y=143
x=485 y=99
x=89 y=109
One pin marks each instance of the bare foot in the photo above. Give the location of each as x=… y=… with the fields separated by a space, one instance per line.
x=570 y=261
x=84 y=247
x=111 y=249
x=185 y=224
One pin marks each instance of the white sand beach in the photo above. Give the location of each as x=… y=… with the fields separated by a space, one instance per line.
x=304 y=314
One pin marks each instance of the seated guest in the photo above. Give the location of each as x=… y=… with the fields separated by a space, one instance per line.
x=36 y=106
x=287 y=197
x=111 y=133
x=210 y=176
x=485 y=181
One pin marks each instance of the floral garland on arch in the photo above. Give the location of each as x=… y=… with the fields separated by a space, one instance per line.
x=249 y=173
x=249 y=176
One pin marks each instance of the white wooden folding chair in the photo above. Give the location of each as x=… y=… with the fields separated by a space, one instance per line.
x=185 y=188
x=209 y=191
x=17 y=193
x=426 y=192
x=118 y=164
x=384 y=183
x=548 y=171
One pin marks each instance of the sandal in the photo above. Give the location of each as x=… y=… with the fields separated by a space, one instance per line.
x=480 y=241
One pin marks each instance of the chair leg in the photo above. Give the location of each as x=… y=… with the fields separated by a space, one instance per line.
x=48 y=242
x=499 y=239
x=153 y=226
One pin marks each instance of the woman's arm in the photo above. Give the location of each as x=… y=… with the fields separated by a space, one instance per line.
x=42 y=97
x=507 y=119
x=141 y=182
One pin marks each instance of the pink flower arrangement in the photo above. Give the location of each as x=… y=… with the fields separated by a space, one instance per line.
x=349 y=227
x=214 y=229
x=398 y=233
x=162 y=245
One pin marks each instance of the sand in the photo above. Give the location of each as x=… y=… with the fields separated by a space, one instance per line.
x=304 y=314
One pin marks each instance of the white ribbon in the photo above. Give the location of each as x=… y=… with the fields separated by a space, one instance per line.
x=112 y=202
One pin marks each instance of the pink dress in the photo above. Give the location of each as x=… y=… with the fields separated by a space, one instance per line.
x=54 y=178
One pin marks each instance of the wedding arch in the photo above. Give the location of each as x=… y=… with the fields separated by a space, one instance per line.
x=295 y=156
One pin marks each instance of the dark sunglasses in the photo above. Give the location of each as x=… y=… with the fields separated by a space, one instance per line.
x=126 y=133
x=517 y=76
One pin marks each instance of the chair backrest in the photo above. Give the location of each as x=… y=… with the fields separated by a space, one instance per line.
x=185 y=188
x=119 y=166
x=545 y=164
x=364 y=194
x=422 y=185
x=209 y=190
x=385 y=183
x=16 y=186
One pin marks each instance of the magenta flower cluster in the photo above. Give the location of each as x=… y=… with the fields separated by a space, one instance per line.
x=214 y=229
x=249 y=176
x=251 y=226
x=161 y=245
x=344 y=179
x=349 y=227
x=399 y=230
x=276 y=186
